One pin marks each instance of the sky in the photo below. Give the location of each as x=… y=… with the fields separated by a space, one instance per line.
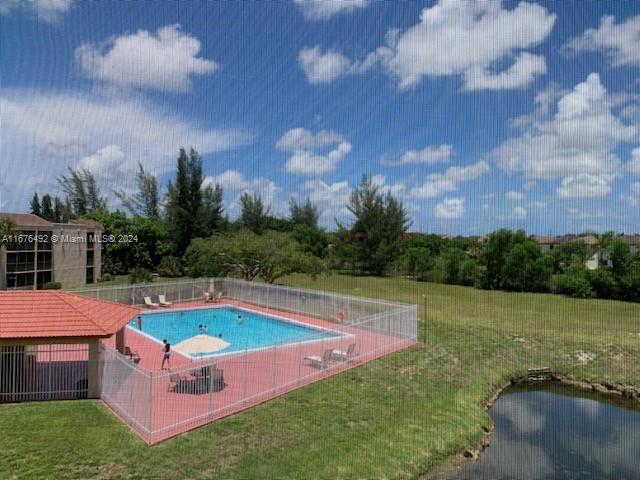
x=476 y=115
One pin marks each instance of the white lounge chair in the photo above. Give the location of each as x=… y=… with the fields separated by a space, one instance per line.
x=162 y=300
x=149 y=303
x=320 y=362
x=207 y=297
x=344 y=355
x=217 y=298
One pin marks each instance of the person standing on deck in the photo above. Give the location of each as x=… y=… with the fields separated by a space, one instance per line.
x=166 y=356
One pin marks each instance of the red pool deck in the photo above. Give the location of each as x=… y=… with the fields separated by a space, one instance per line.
x=250 y=378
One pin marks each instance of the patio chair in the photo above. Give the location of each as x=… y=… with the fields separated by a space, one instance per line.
x=217 y=298
x=320 y=362
x=162 y=300
x=207 y=297
x=345 y=355
x=131 y=354
x=149 y=303
x=175 y=379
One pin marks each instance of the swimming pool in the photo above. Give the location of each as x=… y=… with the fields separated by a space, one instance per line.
x=254 y=331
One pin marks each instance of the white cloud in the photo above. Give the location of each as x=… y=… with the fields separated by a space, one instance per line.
x=469 y=38
x=450 y=208
x=325 y=67
x=580 y=138
x=514 y=196
x=331 y=199
x=321 y=68
x=620 y=41
x=325 y=9
x=429 y=155
x=440 y=183
x=633 y=197
x=161 y=61
x=585 y=185
x=234 y=184
x=523 y=71
x=108 y=162
x=49 y=132
x=634 y=164
x=519 y=213
x=397 y=189
x=49 y=11
x=313 y=153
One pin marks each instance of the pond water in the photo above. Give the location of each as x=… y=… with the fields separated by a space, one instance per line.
x=556 y=432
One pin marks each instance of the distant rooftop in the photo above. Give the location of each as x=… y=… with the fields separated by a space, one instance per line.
x=30 y=220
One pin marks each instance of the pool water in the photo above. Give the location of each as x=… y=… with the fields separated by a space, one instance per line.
x=255 y=331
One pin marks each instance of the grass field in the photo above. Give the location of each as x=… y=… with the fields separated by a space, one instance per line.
x=402 y=416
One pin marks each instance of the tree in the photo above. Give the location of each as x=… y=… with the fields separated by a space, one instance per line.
x=526 y=269
x=145 y=201
x=83 y=194
x=35 y=205
x=184 y=201
x=145 y=251
x=249 y=255
x=212 y=211
x=61 y=212
x=253 y=214
x=494 y=256
x=7 y=228
x=312 y=240
x=306 y=214
x=47 y=209
x=376 y=233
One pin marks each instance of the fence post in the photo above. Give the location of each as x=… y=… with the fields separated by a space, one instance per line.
x=150 y=403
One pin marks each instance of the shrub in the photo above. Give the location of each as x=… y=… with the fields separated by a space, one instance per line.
x=140 y=275
x=106 y=277
x=170 y=267
x=603 y=283
x=572 y=284
x=52 y=286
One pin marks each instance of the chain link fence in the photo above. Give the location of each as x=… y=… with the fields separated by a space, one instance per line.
x=158 y=404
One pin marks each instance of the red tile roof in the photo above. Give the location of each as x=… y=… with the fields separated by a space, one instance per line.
x=43 y=314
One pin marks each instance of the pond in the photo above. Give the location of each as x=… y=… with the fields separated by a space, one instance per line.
x=556 y=432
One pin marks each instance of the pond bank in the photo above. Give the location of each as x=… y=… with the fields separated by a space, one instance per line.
x=539 y=379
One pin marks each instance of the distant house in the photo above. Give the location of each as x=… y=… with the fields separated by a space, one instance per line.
x=41 y=252
x=598 y=257
x=548 y=243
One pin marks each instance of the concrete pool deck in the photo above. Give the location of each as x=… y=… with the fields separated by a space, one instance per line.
x=250 y=378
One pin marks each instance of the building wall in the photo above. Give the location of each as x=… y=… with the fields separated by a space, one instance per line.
x=3 y=267
x=70 y=255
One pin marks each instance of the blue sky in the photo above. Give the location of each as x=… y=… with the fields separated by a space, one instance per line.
x=476 y=115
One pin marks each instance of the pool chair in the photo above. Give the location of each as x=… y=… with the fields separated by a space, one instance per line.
x=162 y=300
x=345 y=355
x=133 y=356
x=217 y=298
x=149 y=303
x=320 y=362
x=176 y=382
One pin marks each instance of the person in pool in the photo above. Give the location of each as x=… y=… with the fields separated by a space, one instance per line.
x=139 y=323
x=239 y=320
x=166 y=356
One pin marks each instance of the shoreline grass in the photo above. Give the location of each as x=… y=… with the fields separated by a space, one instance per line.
x=402 y=416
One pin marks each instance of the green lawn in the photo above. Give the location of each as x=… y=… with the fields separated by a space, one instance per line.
x=399 y=417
